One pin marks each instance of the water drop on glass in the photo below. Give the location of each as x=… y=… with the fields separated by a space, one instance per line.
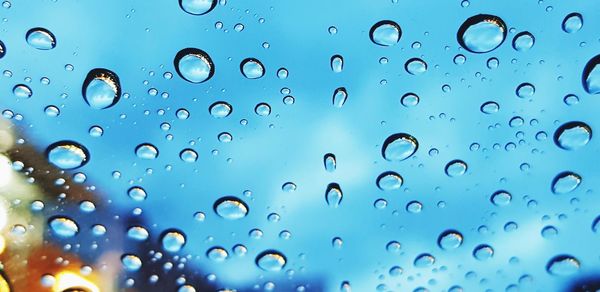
x=483 y=252
x=501 y=198
x=173 y=240
x=523 y=41
x=572 y=23
x=409 y=100
x=389 y=181
x=490 y=107
x=22 y=91
x=217 y=254
x=220 y=109
x=63 y=226
x=252 y=68
x=424 y=260
x=101 y=88
x=385 y=33
x=450 y=239
x=591 y=76
x=231 y=208
x=188 y=155
x=415 y=66
x=525 y=90
x=398 y=147
x=339 y=97
x=67 y=154
x=329 y=162
x=146 y=151
x=563 y=265
x=572 y=135
x=337 y=63
x=137 y=193
x=333 y=195
x=565 y=182
x=194 y=65
x=456 y=168
x=131 y=262
x=41 y=39
x=482 y=33
x=271 y=261
x=197 y=7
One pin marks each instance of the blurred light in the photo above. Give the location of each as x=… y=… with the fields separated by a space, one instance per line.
x=6 y=171
x=66 y=280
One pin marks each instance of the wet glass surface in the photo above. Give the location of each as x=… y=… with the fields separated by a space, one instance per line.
x=389 y=145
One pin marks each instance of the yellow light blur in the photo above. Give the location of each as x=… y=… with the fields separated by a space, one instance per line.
x=2 y=245
x=66 y=280
x=6 y=171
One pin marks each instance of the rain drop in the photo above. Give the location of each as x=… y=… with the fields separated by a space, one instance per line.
x=41 y=39
x=67 y=154
x=101 y=88
x=398 y=147
x=252 y=68
x=194 y=65
x=572 y=135
x=482 y=33
x=385 y=33
x=231 y=208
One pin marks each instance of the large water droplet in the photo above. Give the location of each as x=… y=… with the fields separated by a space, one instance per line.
x=217 y=254
x=333 y=195
x=523 y=41
x=252 y=68
x=482 y=33
x=329 y=162
x=194 y=65
x=67 y=154
x=188 y=155
x=424 y=260
x=197 y=7
x=565 y=182
x=271 y=261
x=525 y=90
x=63 y=226
x=456 y=168
x=572 y=135
x=41 y=38
x=385 y=33
x=572 y=23
x=220 y=109
x=501 y=198
x=22 y=91
x=415 y=66
x=591 y=76
x=101 y=88
x=490 y=107
x=131 y=262
x=337 y=63
x=137 y=193
x=339 y=97
x=138 y=233
x=173 y=240
x=231 y=208
x=483 y=252
x=450 y=239
x=146 y=151
x=389 y=181
x=398 y=147
x=563 y=265
x=409 y=100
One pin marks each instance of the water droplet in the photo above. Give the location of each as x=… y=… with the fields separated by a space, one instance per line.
x=424 y=260
x=483 y=252
x=409 y=100
x=282 y=73
x=271 y=261
x=67 y=154
x=393 y=247
x=194 y=65
x=549 y=232
x=220 y=109
x=262 y=109
x=595 y=225
x=415 y=66
x=173 y=240
x=450 y=239
x=217 y=254
x=563 y=265
x=571 y=99
x=414 y=207
x=501 y=198
x=385 y=33
x=137 y=193
x=389 y=181
x=398 y=147
x=146 y=151
x=565 y=182
x=231 y=208
x=482 y=33
x=329 y=162
x=187 y=288
x=252 y=68
x=101 y=88
x=572 y=23
x=337 y=63
x=22 y=91
x=572 y=135
x=63 y=226
x=138 y=233
x=490 y=107
x=523 y=41
x=456 y=168
x=525 y=90
x=52 y=111
x=288 y=187
x=333 y=195
x=339 y=97
x=2 y=49
x=188 y=155
x=131 y=262
x=197 y=7
x=41 y=39
x=591 y=76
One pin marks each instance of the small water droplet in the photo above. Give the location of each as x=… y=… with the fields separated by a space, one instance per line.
x=424 y=260
x=450 y=239
x=490 y=107
x=482 y=33
x=217 y=254
x=329 y=162
x=456 y=168
x=525 y=90
x=389 y=181
x=41 y=38
x=333 y=195
x=138 y=233
x=339 y=97
x=146 y=151
x=173 y=240
x=385 y=33
x=501 y=198
x=194 y=65
x=523 y=41
x=220 y=109
x=415 y=66
x=337 y=63
x=409 y=100
x=231 y=208
x=131 y=262
x=137 y=193
x=483 y=252
x=188 y=155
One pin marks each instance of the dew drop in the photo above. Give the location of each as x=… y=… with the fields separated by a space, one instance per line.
x=501 y=198
x=591 y=76
x=385 y=33
x=188 y=155
x=138 y=233
x=220 y=109
x=424 y=260
x=456 y=168
x=67 y=154
x=450 y=239
x=525 y=90
x=409 y=100
x=398 y=147
x=563 y=265
x=101 y=88
x=337 y=63
x=339 y=97
x=22 y=91
x=63 y=226
x=146 y=151
x=333 y=195
x=231 y=208
x=415 y=66
x=490 y=107
x=262 y=109
x=131 y=262
x=217 y=254
x=389 y=181
x=137 y=193
x=482 y=33
x=483 y=252
x=173 y=240
x=329 y=162
x=523 y=41
x=572 y=23
x=194 y=65
x=41 y=39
